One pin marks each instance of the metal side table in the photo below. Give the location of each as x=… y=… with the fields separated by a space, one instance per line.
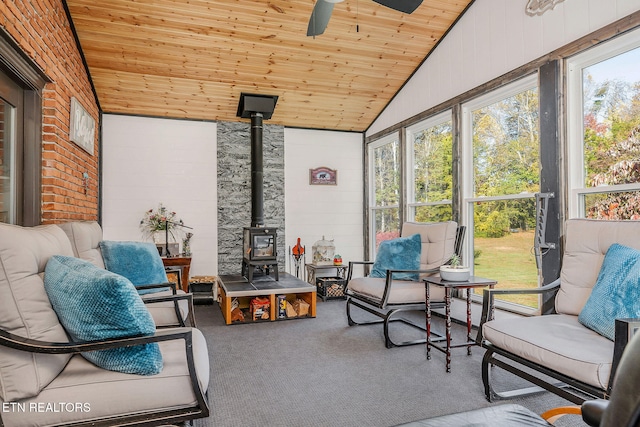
x=473 y=282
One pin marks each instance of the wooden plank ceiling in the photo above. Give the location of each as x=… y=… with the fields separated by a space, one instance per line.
x=193 y=58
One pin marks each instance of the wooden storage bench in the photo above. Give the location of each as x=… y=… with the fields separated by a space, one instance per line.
x=236 y=287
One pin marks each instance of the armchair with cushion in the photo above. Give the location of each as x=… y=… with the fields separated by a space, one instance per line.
x=168 y=306
x=53 y=310
x=385 y=295
x=621 y=410
x=598 y=285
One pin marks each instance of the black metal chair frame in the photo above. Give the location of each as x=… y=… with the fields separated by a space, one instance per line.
x=161 y=416
x=566 y=387
x=385 y=310
x=174 y=297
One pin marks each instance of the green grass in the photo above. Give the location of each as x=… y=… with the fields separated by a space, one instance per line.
x=511 y=262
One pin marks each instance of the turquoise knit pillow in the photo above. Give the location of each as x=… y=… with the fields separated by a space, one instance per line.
x=95 y=304
x=137 y=261
x=616 y=294
x=402 y=253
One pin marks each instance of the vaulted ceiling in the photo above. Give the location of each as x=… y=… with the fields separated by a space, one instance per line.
x=193 y=58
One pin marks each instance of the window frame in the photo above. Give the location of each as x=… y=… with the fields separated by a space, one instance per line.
x=12 y=135
x=26 y=74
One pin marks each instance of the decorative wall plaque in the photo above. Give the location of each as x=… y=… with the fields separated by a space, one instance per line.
x=323 y=176
x=538 y=7
x=82 y=128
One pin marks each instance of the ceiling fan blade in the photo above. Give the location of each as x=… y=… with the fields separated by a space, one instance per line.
x=319 y=17
x=404 y=6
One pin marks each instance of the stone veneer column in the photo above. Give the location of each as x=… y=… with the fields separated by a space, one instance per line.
x=234 y=190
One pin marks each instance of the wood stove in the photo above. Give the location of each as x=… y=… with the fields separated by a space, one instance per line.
x=259 y=251
x=259 y=242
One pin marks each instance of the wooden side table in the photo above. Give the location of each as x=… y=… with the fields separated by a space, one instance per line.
x=184 y=262
x=473 y=282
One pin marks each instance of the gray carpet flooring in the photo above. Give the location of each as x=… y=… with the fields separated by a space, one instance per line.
x=321 y=372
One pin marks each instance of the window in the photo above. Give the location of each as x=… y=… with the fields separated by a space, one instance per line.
x=384 y=175
x=604 y=130
x=429 y=173
x=500 y=178
x=10 y=165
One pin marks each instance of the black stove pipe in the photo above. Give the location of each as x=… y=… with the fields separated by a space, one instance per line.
x=257 y=168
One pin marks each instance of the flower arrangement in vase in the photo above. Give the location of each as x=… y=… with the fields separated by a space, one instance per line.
x=158 y=223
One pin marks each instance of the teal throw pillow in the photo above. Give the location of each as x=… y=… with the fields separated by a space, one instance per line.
x=616 y=294
x=139 y=262
x=95 y=304
x=402 y=253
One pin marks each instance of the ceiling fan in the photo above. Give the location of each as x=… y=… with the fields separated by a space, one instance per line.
x=323 y=8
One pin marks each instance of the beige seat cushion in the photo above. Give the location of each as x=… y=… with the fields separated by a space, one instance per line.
x=587 y=242
x=402 y=291
x=85 y=237
x=544 y=340
x=109 y=393
x=25 y=309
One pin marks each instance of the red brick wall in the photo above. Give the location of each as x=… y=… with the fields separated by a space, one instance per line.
x=41 y=29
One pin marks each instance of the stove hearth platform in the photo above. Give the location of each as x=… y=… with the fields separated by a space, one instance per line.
x=240 y=299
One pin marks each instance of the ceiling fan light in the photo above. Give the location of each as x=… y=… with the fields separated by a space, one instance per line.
x=334 y=1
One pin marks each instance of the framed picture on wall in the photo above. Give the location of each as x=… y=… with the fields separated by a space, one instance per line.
x=323 y=176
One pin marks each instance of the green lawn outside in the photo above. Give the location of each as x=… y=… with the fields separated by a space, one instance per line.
x=511 y=262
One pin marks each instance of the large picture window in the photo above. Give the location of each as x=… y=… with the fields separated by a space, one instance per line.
x=384 y=176
x=604 y=130
x=429 y=173
x=500 y=178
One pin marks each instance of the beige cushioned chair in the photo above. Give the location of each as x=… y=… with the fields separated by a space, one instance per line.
x=622 y=410
x=557 y=344
x=40 y=367
x=168 y=308
x=384 y=297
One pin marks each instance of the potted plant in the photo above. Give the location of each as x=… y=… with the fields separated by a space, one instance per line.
x=453 y=271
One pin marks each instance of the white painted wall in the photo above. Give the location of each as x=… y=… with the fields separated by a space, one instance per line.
x=313 y=211
x=491 y=39
x=147 y=161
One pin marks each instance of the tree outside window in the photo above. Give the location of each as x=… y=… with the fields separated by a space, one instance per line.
x=430 y=170
x=611 y=112
x=385 y=197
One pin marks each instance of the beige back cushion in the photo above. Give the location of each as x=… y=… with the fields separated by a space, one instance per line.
x=85 y=238
x=587 y=242
x=25 y=309
x=438 y=241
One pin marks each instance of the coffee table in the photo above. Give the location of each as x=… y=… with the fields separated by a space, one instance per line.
x=473 y=282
